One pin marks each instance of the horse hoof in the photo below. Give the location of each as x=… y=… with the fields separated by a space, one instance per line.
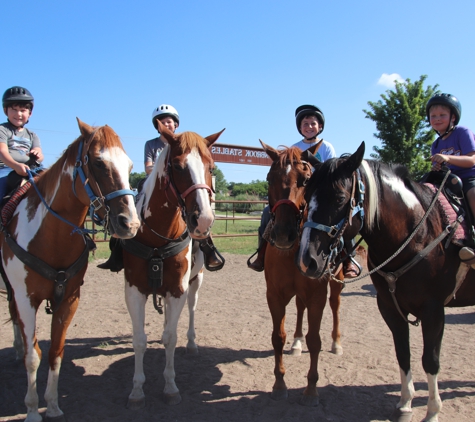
x=400 y=416
x=337 y=350
x=279 y=395
x=295 y=352
x=192 y=351
x=310 y=401
x=60 y=418
x=136 y=404
x=172 y=399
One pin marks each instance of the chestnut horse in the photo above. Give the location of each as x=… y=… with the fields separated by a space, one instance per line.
x=175 y=204
x=44 y=258
x=414 y=269
x=287 y=178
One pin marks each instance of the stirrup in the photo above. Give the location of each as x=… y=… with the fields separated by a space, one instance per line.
x=209 y=248
x=360 y=268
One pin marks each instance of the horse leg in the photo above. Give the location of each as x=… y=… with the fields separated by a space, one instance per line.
x=60 y=322
x=277 y=309
x=174 y=307
x=195 y=285
x=25 y=315
x=17 y=336
x=296 y=349
x=432 y=321
x=335 y=300
x=400 y=332
x=135 y=302
x=314 y=343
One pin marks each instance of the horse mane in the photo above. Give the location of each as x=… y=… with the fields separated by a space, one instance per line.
x=373 y=172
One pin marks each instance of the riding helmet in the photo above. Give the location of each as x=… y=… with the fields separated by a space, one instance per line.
x=309 y=110
x=17 y=95
x=165 y=110
x=447 y=100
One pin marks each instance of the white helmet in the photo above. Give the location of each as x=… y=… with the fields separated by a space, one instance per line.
x=165 y=110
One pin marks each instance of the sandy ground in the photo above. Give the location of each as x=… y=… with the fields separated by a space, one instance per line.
x=231 y=378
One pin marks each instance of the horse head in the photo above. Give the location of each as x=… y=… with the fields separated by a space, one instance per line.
x=334 y=192
x=101 y=180
x=289 y=173
x=189 y=167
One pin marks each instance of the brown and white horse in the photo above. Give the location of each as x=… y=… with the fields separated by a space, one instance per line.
x=287 y=178
x=44 y=246
x=175 y=203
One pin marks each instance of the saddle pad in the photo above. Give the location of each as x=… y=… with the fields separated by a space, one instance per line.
x=10 y=207
x=449 y=215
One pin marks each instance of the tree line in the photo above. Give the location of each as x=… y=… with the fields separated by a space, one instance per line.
x=401 y=126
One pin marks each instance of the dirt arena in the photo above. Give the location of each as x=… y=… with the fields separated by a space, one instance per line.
x=232 y=377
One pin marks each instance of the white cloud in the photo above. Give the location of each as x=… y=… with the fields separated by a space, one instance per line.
x=388 y=80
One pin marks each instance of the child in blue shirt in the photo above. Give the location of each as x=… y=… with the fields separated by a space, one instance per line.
x=18 y=145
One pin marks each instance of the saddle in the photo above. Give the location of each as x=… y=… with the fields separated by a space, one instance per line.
x=453 y=206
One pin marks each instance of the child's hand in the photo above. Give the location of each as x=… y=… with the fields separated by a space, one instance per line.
x=21 y=169
x=438 y=160
x=37 y=154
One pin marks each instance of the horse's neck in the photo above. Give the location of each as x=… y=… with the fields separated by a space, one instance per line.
x=66 y=204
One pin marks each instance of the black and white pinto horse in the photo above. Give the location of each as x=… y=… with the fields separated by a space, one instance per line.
x=414 y=266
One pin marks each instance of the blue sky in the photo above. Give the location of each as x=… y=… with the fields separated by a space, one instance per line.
x=240 y=65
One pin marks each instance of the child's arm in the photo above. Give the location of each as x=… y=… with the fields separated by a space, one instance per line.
x=10 y=162
x=465 y=161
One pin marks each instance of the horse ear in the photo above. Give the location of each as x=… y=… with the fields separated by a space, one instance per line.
x=84 y=128
x=354 y=161
x=211 y=139
x=167 y=134
x=271 y=152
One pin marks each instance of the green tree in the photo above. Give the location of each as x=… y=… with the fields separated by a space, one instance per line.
x=135 y=178
x=401 y=121
x=221 y=186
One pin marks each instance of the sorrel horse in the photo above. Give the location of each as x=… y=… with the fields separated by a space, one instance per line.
x=45 y=247
x=287 y=178
x=174 y=205
x=414 y=272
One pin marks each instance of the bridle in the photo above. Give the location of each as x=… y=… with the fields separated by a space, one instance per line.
x=298 y=209
x=96 y=202
x=355 y=206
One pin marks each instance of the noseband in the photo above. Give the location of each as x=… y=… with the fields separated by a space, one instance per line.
x=96 y=201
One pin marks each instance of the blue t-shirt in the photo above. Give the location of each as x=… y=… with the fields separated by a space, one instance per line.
x=325 y=152
x=461 y=141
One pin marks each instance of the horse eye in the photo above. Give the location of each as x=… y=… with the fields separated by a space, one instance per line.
x=178 y=167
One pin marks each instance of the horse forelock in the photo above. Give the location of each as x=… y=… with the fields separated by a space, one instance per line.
x=289 y=154
x=191 y=140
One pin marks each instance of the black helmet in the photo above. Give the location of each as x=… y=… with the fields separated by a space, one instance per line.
x=309 y=110
x=447 y=100
x=165 y=110
x=17 y=95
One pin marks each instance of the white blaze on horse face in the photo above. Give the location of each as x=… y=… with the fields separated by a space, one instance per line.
x=397 y=185
x=197 y=171
x=122 y=164
x=305 y=238
x=287 y=170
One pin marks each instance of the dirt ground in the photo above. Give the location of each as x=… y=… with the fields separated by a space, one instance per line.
x=231 y=378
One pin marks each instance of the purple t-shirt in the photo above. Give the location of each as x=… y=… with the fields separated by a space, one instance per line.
x=461 y=141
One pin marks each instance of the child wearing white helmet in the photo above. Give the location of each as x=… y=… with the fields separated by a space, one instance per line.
x=169 y=117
